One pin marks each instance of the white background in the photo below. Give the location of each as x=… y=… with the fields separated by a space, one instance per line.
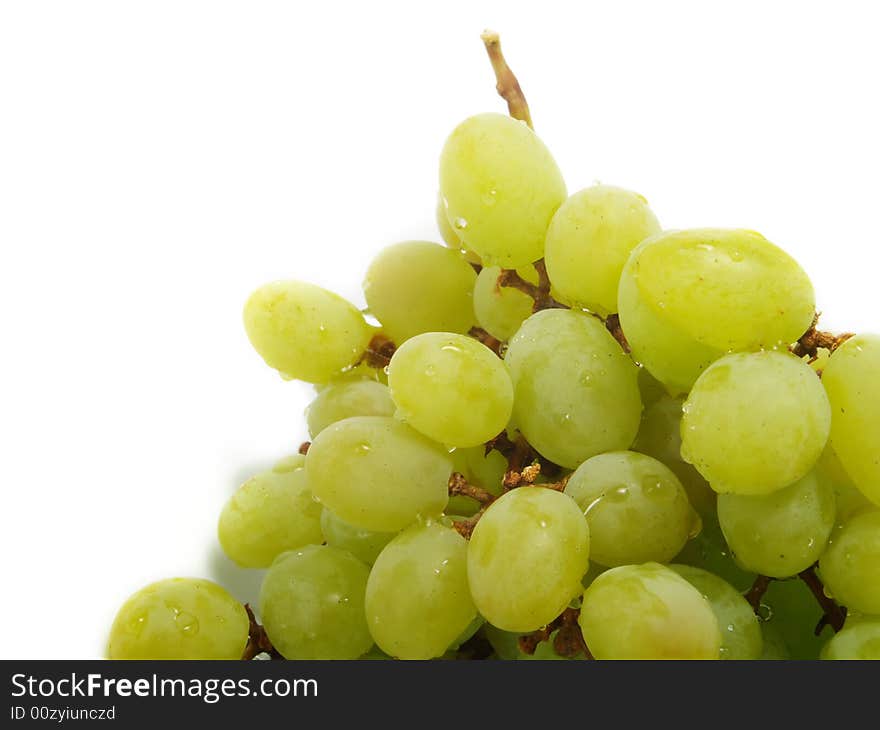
x=158 y=160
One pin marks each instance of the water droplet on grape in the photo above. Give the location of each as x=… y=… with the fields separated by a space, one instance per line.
x=186 y=623
x=490 y=197
x=460 y=223
x=362 y=448
x=617 y=495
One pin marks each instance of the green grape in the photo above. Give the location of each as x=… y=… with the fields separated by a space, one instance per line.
x=850 y=567
x=660 y=436
x=576 y=392
x=345 y=399
x=312 y=604
x=740 y=629
x=480 y=469
x=790 y=609
x=270 y=513
x=860 y=641
x=469 y=632
x=365 y=545
x=451 y=388
x=636 y=508
x=304 y=331
x=853 y=385
x=289 y=463
x=849 y=499
x=775 y=648
x=650 y=388
x=688 y=297
x=418 y=602
x=590 y=239
x=755 y=422
x=355 y=374
x=450 y=237
x=648 y=612
x=709 y=551
x=500 y=187
x=526 y=557
x=782 y=533
x=179 y=618
x=377 y=473
x=501 y=310
x=416 y=287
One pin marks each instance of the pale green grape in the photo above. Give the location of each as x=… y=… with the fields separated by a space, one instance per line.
x=660 y=436
x=481 y=469
x=289 y=463
x=501 y=310
x=312 y=604
x=418 y=602
x=451 y=388
x=345 y=399
x=775 y=648
x=848 y=497
x=859 y=641
x=450 y=237
x=650 y=388
x=647 y=612
x=377 y=473
x=688 y=297
x=576 y=392
x=179 y=618
x=416 y=287
x=304 y=331
x=590 y=239
x=740 y=629
x=850 y=567
x=365 y=545
x=755 y=422
x=272 y=512
x=782 y=533
x=636 y=508
x=526 y=558
x=501 y=187
x=852 y=380
x=791 y=610
x=709 y=551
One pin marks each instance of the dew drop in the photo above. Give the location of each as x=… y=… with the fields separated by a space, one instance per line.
x=362 y=448
x=490 y=197
x=186 y=623
x=617 y=495
x=460 y=223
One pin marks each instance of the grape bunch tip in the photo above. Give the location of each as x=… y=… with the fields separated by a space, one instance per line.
x=573 y=435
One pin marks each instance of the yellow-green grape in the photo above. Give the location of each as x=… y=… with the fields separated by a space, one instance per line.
x=775 y=648
x=647 y=612
x=365 y=545
x=304 y=331
x=312 y=604
x=755 y=422
x=636 y=508
x=501 y=187
x=650 y=388
x=270 y=513
x=345 y=399
x=501 y=310
x=709 y=551
x=377 y=473
x=451 y=388
x=852 y=380
x=450 y=237
x=860 y=641
x=740 y=629
x=416 y=287
x=849 y=498
x=850 y=567
x=418 y=602
x=660 y=436
x=688 y=297
x=179 y=618
x=481 y=469
x=576 y=391
x=790 y=609
x=289 y=463
x=526 y=557
x=782 y=533
x=590 y=239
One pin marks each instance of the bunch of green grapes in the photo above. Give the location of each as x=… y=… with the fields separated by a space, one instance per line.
x=571 y=430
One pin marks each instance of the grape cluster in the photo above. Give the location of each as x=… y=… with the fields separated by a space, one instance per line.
x=573 y=434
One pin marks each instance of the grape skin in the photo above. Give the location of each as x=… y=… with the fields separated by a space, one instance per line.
x=858 y=641
x=850 y=567
x=179 y=618
x=365 y=545
x=345 y=399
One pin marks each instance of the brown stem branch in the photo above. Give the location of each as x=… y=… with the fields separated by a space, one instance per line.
x=379 y=352
x=258 y=641
x=506 y=85
x=612 y=324
x=539 y=292
x=459 y=486
x=756 y=593
x=493 y=343
x=569 y=640
x=833 y=615
x=813 y=340
x=304 y=447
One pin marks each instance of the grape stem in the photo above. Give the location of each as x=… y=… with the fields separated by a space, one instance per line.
x=756 y=593
x=379 y=351
x=304 y=447
x=258 y=641
x=506 y=83
x=612 y=324
x=569 y=640
x=459 y=486
x=834 y=615
x=813 y=340
x=493 y=343
x=539 y=292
